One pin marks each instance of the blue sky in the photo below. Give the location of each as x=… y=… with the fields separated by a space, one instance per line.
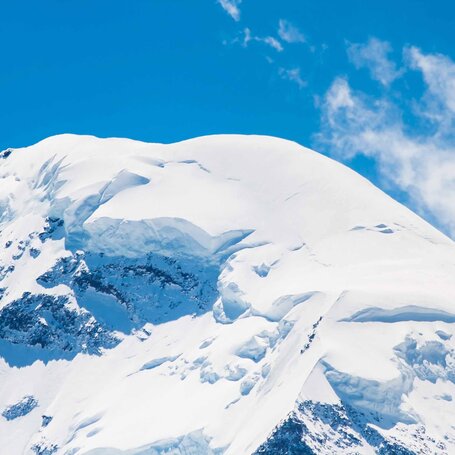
x=369 y=83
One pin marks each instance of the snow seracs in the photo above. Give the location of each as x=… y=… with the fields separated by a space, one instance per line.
x=222 y=295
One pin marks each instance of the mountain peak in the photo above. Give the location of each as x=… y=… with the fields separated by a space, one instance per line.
x=225 y=294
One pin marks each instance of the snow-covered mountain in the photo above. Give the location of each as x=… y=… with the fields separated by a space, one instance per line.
x=223 y=295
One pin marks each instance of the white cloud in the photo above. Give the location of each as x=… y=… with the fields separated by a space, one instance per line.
x=438 y=72
x=289 y=33
x=246 y=37
x=420 y=163
x=292 y=75
x=438 y=103
x=269 y=40
x=272 y=42
x=374 y=55
x=231 y=7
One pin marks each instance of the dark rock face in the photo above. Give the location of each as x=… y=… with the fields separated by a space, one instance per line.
x=340 y=425
x=41 y=325
x=44 y=449
x=286 y=439
x=5 y=153
x=106 y=295
x=46 y=420
x=124 y=293
x=53 y=229
x=21 y=408
x=51 y=322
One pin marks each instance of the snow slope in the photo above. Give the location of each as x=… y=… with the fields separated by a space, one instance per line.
x=222 y=295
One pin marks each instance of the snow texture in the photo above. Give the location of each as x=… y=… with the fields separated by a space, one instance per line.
x=229 y=295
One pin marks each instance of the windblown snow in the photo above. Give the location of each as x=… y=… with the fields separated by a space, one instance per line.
x=222 y=295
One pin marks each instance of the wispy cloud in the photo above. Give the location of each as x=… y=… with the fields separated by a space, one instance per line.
x=438 y=102
x=269 y=40
x=374 y=55
x=419 y=161
x=290 y=33
x=231 y=7
x=292 y=75
x=272 y=42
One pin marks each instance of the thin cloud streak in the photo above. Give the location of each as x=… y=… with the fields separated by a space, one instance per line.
x=269 y=40
x=231 y=7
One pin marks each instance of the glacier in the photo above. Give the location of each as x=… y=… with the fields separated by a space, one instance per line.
x=227 y=294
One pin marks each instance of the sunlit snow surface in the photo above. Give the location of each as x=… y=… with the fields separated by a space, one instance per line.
x=223 y=295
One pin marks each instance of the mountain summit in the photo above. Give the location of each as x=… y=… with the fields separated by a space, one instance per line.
x=228 y=294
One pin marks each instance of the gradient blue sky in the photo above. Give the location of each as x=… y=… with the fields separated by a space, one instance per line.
x=370 y=83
